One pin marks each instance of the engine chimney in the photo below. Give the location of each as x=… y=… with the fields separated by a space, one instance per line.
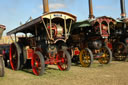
x=45 y=6
x=123 y=11
x=91 y=16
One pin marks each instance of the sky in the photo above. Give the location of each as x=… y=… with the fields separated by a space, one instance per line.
x=12 y=12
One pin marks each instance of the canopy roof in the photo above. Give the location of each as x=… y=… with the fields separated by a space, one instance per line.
x=29 y=26
x=121 y=21
x=90 y=22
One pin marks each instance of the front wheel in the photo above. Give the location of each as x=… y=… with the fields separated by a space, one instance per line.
x=1 y=67
x=106 y=56
x=37 y=63
x=120 y=51
x=86 y=57
x=65 y=60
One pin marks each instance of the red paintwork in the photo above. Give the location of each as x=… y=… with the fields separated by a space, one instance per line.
x=36 y=64
x=62 y=65
x=52 y=61
x=109 y=45
x=10 y=57
x=76 y=52
x=30 y=53
x=104 y=31
x=102 y=19
x=58 y=59
x=53 y=28
x=12 y=62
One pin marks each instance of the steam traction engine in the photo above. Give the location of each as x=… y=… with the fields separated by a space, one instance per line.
x=119 y=37
x=2 y=28
x=90 y=39
x=46 y=46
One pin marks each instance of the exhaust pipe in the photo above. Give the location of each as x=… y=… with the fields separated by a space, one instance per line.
x=91 y=16
x=45 y=6
x=123 y=11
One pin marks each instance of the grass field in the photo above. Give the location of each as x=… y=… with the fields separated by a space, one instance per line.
x=115 y=73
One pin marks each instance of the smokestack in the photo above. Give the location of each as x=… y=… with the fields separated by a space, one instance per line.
x=91 y=16
x=123 y=11
x=45 y=6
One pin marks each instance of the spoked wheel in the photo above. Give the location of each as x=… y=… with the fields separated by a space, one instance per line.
x=65 y=60
x=14 y=57
x=1 y=67
x=106 y=56
x=38 y=64
x=86 y=57
x=120 y=51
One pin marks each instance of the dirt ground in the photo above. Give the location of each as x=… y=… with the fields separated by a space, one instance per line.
x=115 y=73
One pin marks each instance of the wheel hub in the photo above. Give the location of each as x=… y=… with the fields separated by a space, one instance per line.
x=104 y=55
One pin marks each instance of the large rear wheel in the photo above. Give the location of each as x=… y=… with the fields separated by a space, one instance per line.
x=120 y=51
x=1 y=67
x=65 y=63
x=37 y=63
x=15 y=53
x=106 y=56
x=86 y=57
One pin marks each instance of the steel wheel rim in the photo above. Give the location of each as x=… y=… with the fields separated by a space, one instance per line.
x=63 y=65
x=120 y=53
x=13 y=57
x=105 y=56
x=36 y=64
x=85 y=58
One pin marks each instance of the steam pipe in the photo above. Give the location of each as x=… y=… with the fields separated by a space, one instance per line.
x=91 y=16
x=45 y=6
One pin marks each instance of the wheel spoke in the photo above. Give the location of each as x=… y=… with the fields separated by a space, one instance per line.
x=38 y=64
x=106 y=57
x=64 y=57
x=85 y=58
x=120 y=51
